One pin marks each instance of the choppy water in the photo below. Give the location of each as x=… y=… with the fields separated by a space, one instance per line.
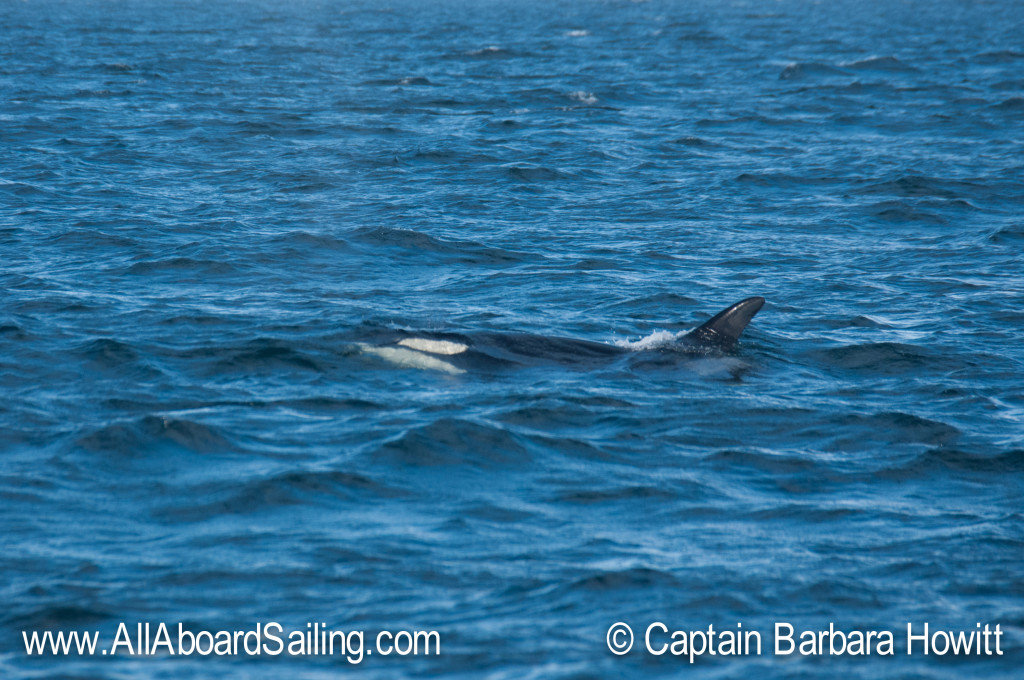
x=206 y=206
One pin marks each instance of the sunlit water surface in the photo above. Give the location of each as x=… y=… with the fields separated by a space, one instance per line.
x=208 y=210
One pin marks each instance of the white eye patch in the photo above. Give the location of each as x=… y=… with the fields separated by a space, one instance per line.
x=411 y=359
x=433 y=346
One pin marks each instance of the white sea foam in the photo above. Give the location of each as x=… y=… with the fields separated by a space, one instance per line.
x=655 y=340
x=578 y=33
x=490 y=49
x=583 y=97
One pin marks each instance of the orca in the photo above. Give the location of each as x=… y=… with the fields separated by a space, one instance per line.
x=456 y=353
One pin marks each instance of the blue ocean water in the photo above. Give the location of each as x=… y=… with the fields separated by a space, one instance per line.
x=209 y=210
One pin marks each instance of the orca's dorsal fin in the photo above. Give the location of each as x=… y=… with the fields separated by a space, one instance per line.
x=724 y=329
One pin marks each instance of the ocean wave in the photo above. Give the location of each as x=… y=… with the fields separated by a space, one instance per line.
x=407 y=80
x=56 y=617
x=118 y=358
x=534 y=174
x=775 y=464
x=999 y=56
x=419 y=243
x=883 y=63
x=1010 y=234
x=901 y=211
x=13 y=331
x=802 y=70
x=454 y=442
x=187 y=268
x=957 y=461
x=1011 y=104
x=895 y=427
x=109 y=351
x=497 y=514
x=291 y=488
x=491 y=52
x=626 y=493
x=885 y=358
x=260 y=355
x=304 y=241
x=208 y=214
x=151 y=434
x=624 y=579
x=859 y=321
x=918 y=185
